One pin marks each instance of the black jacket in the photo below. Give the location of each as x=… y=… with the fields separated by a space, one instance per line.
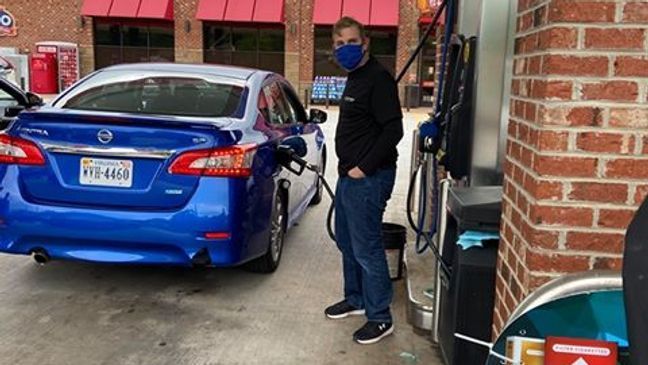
x=371 y=120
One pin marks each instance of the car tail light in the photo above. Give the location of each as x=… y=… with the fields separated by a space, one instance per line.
x=14 y=150
x=217 y=235
x=233 y=161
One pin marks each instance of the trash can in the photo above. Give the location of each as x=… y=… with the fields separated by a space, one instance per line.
x=412 y=96
x=467 y=295
x=394 y=237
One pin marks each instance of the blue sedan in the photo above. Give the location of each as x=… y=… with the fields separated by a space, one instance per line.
x=157 y=164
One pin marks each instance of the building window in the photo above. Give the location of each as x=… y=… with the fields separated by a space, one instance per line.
x=382 y=46
x=127 y=42
x=254 y=47
x=324 y=63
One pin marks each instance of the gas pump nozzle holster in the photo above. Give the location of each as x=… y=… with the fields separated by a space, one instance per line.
x=429 y=136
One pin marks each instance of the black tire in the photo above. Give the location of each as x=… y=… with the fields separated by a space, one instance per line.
x=269 y=262
x=317 y=198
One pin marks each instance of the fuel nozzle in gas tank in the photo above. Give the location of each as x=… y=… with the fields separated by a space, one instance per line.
x=290 y=155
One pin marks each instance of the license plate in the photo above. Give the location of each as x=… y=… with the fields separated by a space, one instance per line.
x=102 y=172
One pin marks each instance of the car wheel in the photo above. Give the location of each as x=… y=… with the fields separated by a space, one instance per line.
x=269 y=262
x=320 y=186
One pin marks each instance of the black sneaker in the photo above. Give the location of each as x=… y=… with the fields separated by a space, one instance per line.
x=373 y=332
x=342 y=310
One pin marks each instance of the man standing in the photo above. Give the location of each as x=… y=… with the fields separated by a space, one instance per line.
x=369 y=128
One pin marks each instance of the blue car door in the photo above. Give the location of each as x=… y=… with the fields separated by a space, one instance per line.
x=311 y=134
x=282 y=125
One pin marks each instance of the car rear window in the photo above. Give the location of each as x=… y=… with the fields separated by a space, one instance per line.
x=181 y=96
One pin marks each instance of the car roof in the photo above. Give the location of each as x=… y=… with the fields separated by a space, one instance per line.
x=231 y=72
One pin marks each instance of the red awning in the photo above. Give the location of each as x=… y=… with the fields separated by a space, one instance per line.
x=124 y=9
x=384 y=13
x=96 y=7
x=379 y=13
x=156 y=9
x=358 y=9
x=327 y=12
x=211 y=10
x=241 y=11
x=269 y=11
x=151 y=9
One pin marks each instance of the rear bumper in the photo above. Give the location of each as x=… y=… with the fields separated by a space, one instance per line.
x=137 y=237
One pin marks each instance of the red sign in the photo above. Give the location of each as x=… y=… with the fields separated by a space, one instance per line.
x=7 y=23
x=571 y=351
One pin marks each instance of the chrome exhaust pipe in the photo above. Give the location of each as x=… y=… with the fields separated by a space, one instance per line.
x=40 y=257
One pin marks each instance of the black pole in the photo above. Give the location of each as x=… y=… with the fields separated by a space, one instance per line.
x=426 y=35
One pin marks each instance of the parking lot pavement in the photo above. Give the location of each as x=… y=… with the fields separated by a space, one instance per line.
x=71 y=313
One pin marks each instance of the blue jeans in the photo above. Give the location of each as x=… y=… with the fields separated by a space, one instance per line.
x=359 y=208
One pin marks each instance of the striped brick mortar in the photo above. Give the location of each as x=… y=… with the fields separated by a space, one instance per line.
x=576 y=161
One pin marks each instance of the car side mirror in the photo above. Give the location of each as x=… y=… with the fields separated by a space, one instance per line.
x=13 y=111
x=34 y=99
x=317 y=116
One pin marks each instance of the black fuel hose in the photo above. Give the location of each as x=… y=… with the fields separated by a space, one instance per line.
x=329 y=217
x=410 y=195
x=419 y=232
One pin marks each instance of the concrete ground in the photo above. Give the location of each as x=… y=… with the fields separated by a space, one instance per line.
x=72 y=313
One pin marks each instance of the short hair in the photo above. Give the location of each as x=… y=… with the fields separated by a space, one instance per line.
x=348 y=22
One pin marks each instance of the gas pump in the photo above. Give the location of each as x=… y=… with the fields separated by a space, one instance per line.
x=462 y=288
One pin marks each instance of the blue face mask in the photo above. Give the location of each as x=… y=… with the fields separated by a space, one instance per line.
x=349 y=56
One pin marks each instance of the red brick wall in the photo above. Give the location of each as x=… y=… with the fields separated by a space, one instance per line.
x=43 y=20
x=46 y=20
x=576 y=164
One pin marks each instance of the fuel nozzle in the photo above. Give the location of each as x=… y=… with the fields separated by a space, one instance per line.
x=290 y=155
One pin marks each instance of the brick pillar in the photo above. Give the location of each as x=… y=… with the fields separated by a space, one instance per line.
x=576 y=164
x=293 y=31
x=86 y=47
x=188 y=32
x=306 y=46
x=408 y=36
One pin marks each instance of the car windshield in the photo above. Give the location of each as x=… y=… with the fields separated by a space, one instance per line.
x=129 y=92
